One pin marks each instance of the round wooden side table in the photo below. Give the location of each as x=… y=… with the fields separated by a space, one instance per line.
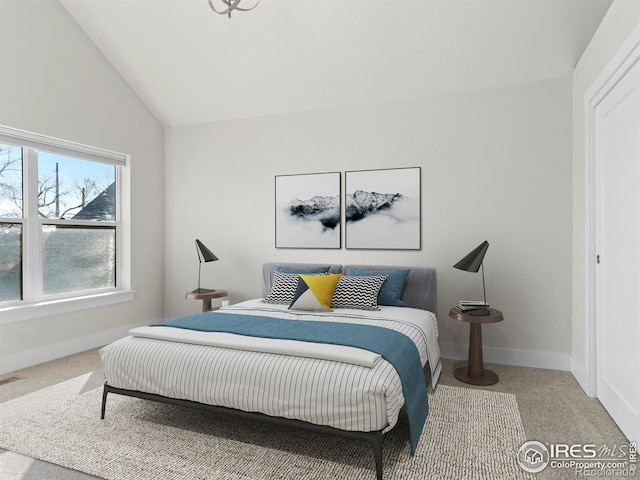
x=206 y=297
x=474 y=372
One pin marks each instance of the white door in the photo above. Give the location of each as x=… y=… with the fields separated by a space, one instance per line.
x=617 y=189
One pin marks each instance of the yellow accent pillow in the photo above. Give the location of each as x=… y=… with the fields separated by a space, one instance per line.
x=314 y=292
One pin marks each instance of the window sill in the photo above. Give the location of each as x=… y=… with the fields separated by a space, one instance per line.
x=54 y=307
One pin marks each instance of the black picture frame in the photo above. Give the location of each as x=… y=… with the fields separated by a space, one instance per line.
x=308 y=210
x=383 y=209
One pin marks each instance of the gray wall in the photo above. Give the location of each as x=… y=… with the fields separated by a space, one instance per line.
x=55 y=82
x=496 y=165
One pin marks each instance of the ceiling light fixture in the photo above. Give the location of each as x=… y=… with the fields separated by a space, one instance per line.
x=230 y=6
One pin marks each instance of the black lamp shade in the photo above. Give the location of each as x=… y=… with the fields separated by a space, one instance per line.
x=473 y=261
x=204 y=254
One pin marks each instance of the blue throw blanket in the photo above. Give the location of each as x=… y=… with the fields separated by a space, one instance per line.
x=395 y=347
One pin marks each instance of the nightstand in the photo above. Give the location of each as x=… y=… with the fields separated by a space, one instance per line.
x=475 y=373
x=206 y=298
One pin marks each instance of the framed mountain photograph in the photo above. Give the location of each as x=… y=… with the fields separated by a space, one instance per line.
x=308 y=210
x=382 y=209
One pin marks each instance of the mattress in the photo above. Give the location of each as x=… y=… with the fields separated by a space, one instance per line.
x=318 y=383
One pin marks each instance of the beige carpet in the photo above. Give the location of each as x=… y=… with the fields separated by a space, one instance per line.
x=471 y=434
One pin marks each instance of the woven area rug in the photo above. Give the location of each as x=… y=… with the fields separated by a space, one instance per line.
x=470 y=434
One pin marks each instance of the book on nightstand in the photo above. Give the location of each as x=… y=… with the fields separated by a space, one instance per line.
x=470 y=305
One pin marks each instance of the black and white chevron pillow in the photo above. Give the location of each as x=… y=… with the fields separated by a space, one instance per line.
x=358 y=292
x=283 y=287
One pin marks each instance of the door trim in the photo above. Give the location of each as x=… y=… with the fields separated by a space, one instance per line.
x=624 y=59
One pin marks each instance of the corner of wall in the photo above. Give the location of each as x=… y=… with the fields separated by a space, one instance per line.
x=582 y=377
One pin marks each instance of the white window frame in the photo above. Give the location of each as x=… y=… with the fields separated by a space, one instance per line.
x=34 y=304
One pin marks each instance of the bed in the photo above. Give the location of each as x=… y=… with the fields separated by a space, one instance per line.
x=229 y=361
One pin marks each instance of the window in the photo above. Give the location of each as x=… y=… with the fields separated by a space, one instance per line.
x=60 y=220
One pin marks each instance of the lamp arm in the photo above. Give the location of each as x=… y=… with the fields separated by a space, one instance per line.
x=484 y=291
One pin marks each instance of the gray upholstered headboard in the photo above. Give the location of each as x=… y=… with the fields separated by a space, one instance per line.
x=267 y=271
x=420 y=289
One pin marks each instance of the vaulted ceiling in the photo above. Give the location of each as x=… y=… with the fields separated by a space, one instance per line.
x=190 y=65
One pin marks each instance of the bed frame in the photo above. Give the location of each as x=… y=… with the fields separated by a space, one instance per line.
x=420 y=292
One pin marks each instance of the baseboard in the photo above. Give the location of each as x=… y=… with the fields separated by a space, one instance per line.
x=507 y=356
x=582 y=377
x=29 y=358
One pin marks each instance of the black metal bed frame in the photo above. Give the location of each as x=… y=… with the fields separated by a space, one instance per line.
x=375 y=438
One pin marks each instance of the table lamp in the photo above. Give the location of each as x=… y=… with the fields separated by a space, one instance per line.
x=472 y=263
x=204 y=255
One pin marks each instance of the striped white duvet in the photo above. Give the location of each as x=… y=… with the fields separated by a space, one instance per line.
x=304 y=383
